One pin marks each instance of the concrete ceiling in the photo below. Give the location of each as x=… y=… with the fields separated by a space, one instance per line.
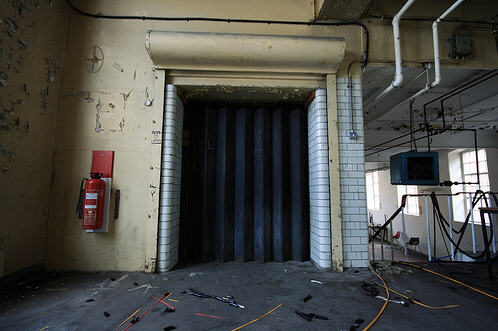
x=476 y=107
x=475 y=10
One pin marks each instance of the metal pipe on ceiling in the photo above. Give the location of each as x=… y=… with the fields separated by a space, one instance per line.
x=437 y=62
x=398 y=75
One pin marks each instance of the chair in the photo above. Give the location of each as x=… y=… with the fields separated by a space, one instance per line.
x=396 y=241
x=415 y=241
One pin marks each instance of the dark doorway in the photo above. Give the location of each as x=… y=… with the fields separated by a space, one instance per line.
x=244 y=184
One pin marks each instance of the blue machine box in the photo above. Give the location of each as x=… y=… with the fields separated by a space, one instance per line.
x=415 y=168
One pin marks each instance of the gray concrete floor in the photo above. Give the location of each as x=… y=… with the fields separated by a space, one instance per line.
x=59 y=300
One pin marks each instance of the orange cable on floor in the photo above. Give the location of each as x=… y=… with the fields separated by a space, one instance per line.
x=167 y=304
x=126 y=320
x=418 y=302
x=449 y=278
x=139 y=317
x=383 y=307
x=257 y=319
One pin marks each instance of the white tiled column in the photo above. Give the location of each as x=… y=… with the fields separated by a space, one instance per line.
x=171 y=167
x=352 y=175
x=320 y=245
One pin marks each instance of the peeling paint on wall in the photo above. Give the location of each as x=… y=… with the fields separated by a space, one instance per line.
x=32 y=36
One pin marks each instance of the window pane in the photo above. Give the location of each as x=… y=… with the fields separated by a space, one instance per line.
x=467 y=157
x=484 y=179
x=481 y=154
x=469 y=168
x=483 y=166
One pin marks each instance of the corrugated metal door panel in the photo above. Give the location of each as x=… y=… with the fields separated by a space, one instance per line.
x=249 y=188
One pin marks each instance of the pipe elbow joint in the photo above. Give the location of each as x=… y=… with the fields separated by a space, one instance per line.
x=397 y=80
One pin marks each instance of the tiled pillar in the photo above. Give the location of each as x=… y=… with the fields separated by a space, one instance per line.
x=171 y=167
x=320 y=245
x=352 y=176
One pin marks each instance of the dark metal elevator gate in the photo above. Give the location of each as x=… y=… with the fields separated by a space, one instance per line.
x=244 y=185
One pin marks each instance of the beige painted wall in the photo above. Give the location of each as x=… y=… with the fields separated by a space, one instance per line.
x=127 y=127
x=27 y=125
x=93 y=114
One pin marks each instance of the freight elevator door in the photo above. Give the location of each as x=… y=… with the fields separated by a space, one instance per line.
x=244 y=185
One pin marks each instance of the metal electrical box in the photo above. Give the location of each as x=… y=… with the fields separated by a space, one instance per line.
x=415 y=168
x=459 y=46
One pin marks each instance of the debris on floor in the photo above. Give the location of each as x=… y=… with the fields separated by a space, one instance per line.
x=396 y=300
x=338 y=304
x=308 y=298
x=356 y=324
x=310 y=316
x=370 y=288
x=227 y=298
x=316 y=281
x=389 y=268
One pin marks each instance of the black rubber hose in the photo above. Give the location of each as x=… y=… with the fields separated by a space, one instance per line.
x=435 y=203
x=230 y=20
x=457 y=245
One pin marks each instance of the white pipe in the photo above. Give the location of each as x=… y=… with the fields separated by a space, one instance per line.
x=404 y=233
x=437 y=62
x=428 y=229
x=398 y=74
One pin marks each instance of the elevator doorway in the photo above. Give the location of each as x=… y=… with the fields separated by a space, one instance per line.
x=244 y=188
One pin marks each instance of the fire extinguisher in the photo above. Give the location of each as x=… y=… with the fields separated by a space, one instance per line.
x=93 y=203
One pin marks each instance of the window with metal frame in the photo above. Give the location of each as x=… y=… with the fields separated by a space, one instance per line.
x=411 y=207
x=373 y=196
x=469 y=175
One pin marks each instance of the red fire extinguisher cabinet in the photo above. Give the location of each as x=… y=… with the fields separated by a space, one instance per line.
x=93 y=206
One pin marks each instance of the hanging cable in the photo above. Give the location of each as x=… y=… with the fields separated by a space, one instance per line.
x=477 y=197
x=231 y=20
x=412 y=134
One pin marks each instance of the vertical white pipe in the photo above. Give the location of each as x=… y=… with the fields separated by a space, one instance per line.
x=492 y=223
x=435 y=38
x=373 y=244
x=437 y=62
x=404 y=233
x=450 y=213
x=398 y=75
x=472 y=220
x=391 y=237
x=428 y=229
